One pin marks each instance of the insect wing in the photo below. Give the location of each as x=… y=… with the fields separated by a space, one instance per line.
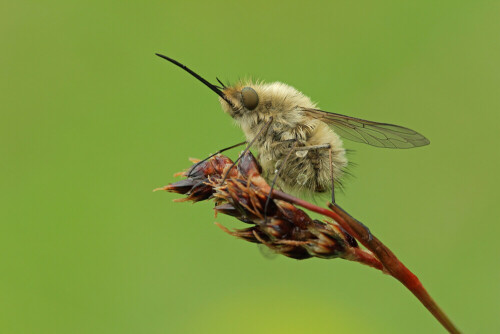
x=368 y=132
x=267 y=252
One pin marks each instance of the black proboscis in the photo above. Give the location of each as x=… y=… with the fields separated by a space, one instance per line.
x=197 y=76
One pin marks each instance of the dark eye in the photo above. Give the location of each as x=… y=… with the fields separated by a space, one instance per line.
x=250 y=98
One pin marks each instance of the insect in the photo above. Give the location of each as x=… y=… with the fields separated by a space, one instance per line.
x=299 y=145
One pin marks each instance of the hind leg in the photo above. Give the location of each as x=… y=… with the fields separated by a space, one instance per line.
x=330 y=153
x=277 y=172
x=331 y=175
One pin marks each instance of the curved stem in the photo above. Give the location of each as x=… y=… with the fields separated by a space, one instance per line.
x=391 y=263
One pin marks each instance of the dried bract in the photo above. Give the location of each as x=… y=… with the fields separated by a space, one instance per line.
x=278 y=224
x=283 y=228
x=197 y=186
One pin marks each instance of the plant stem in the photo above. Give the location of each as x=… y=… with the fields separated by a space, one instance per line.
x=392 y=265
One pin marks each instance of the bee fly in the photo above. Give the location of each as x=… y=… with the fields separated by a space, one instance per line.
x=295 y=140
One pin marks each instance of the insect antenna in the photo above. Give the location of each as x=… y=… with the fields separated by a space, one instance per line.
x=224 y=86
x=197 y=76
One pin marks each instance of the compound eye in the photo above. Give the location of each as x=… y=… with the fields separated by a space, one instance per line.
x=250 y=98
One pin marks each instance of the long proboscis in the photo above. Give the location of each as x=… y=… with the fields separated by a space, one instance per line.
x=197 y=76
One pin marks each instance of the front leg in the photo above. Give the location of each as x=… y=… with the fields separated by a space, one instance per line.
x=276 y=174
x=211 y=155
x=262 y=131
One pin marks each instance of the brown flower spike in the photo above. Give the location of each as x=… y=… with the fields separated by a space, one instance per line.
x=288 y=230
x=284 y=228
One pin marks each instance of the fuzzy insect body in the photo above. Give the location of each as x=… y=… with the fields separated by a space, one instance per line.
x=307 y=170
x=299 y=145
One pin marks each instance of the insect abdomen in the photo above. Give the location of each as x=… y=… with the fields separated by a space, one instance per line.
x=306 y=170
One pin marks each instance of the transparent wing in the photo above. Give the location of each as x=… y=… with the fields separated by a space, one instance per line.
x=368 y=132
x=267 y=252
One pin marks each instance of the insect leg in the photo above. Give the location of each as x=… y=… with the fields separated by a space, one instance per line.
x=370 y=236
x=312 y=147
x=261 y=131
x=331 y=175
x=277 y=172
x=330 y=156
x=218 y=152
x=323 y=146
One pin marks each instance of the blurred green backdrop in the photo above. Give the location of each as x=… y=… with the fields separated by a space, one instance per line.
x=91 y=121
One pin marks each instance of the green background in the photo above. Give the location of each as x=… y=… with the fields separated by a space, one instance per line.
x=91 y=121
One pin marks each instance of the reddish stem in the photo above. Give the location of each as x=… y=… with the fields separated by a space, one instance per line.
x=366 y=258
x=390 y=262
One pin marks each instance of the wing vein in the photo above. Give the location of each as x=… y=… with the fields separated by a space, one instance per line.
x=369 y=132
